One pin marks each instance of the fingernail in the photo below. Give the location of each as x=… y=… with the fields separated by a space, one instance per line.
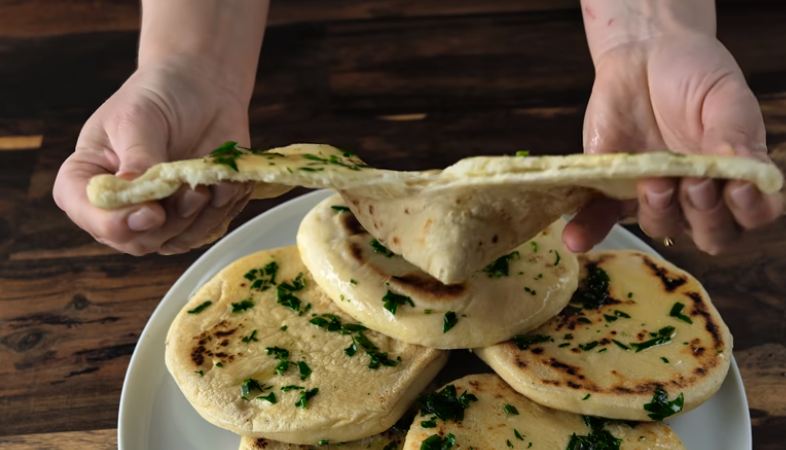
x=744 y=197
x=703 y=196
x=142 y=219
x=660 y=200
x=221 y=196
x=190 y=203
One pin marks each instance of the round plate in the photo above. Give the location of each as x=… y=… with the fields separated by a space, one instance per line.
x=154 y=414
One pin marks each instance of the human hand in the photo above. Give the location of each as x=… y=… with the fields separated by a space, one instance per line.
x=683 y=92
x=161 y=113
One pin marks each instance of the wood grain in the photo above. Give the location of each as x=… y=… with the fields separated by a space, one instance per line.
x=409 y=85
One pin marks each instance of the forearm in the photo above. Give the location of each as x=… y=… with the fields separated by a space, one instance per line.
x=219 y=37
x=610 y=23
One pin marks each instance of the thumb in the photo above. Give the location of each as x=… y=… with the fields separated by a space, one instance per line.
x=138 y=136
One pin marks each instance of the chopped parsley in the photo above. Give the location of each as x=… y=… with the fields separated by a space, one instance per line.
x=332 y=323
x=283 y=328
x=242 y=305
x=340 y=208
x=508 y=443
x=286 y=297
x=381 y=249
x=251 y=337
x=200 y=372
x=522 y=153
x=449 y=321
x=250 y=386
x=263 y=278
x=219 y=364
x=392 y=301
x=227 y=154
x=305 y=396
x=305 y=371
x=593 y=291
x=510 y=410
x=437 y=442
x=322 y=442
x=535 y=246
x=586 y=397
x=430 y=423
x=271 y=397
x=598 y=438
x=277 y=352
x=518 y=435
x=661 y=336
x=291 y=387
x=676 y=311
x=661 y=407
x=501 y=266
x=353 y=282
x=588 y=346
x=524 y=341
x=529 y=290
x=446 y=404
x=201 y=307
x=664 y=359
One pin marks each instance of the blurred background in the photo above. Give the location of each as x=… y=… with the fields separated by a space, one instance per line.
x=407 y=84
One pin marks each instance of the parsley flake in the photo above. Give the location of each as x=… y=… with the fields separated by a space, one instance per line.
x=201 y=307
x=676 y=311
x=661 y=407
x=391 y=301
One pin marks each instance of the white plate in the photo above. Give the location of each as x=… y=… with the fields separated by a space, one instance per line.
x=154 y=415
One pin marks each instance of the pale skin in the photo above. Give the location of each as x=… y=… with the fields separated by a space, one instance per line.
x=662 y=80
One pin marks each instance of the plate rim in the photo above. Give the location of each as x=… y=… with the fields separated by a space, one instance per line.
x=152 y=321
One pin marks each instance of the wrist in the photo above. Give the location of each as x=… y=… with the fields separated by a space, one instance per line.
x=218 y=40
x=613 y=23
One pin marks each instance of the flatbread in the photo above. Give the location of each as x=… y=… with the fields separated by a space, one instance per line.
x=611 y=360
x=392 y=439
x=214 y=349
x=511 y=296
x=500 y=418
x=450 y=223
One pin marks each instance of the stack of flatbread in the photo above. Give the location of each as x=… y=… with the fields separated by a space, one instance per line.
x=337 y=341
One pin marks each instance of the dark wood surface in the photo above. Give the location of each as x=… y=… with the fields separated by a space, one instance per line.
x=409 y=85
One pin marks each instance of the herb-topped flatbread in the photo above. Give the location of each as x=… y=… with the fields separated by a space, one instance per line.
x=392 y=439
x=482 y=412
x=449 y=223
x=512 y=295
x=261 y=351
x=640 y=340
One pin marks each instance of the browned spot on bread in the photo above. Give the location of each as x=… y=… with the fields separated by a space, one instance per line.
x=494 y=239
x=573 y=385
x=567 y=368
x=198 y=355
x=425 y=285
x=395 y=240
x=350 y=225
x=552 y=382
x=700 y=309
x=670 y=283
x=260 y=443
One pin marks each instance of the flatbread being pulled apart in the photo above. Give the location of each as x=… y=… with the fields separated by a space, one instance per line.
x=640 y=340
x=449 y=223
x=512 y=295
x=482 y=412
x=261 y=351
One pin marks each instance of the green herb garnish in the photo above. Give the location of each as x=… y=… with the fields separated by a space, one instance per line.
x=277 y=352
x=305 y=396
x=529 y=290
x=201 y=307
x=305 y=371
x=449 y=321
x=518 y=435
x=598 y=438
x=664 y=359
x=340 y=208
x=263 y=278
x=242 y=305
x=586 y=397
x=522 y=153
x=510 y=410
x=381 y=249
x=392 y=301
x=286 y=297
x=437 y=442
x=661 y=336
x=557 y=257
x=501 y=266
x=676 y=311
x=446 y=404
x=249 y=386
x=330 y=322
x=661 y=407
x=227 y=154
x=430 y=423
x=593 y=291
x=322 y=442
x=291 y=387
x=588 y=346
x=251 y=337
x=271 y=397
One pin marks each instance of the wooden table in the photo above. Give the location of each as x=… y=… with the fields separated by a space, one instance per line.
x=408 y=84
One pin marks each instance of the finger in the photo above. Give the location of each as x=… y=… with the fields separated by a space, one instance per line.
x=711 y=223
x=750 y=208
x=112 y=226
x=591 y=224
x=659 y=210
x=206 y=226
x=138 y=134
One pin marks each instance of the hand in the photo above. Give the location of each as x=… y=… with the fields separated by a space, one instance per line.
x=161 y=113
x=684 y=93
